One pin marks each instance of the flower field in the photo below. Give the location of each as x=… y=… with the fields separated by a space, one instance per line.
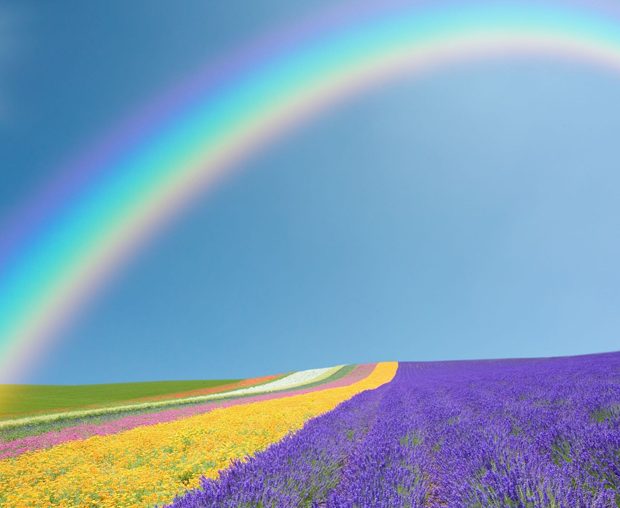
x=152 y=463
x=508 y=433
x=113 y=425
x=293 y=380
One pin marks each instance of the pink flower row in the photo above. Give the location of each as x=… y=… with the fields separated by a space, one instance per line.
x=85 y=430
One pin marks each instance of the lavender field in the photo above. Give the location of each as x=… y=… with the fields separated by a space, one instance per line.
x=510 y=433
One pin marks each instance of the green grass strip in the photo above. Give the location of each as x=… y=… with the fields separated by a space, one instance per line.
x=27 y=400
x=11 y=433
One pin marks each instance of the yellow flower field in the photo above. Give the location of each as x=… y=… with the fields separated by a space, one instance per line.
x=152 y=464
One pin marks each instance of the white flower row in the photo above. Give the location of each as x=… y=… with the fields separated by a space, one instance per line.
x=294 y=380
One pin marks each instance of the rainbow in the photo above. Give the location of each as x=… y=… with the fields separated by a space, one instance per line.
x=59 y=250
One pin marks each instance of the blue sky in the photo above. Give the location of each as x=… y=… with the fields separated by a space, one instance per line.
x=472 y=213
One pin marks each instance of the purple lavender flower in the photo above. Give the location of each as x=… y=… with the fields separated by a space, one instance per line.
x=509 y=433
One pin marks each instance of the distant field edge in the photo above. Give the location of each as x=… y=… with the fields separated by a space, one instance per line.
x=41 y=396
x=28 y=400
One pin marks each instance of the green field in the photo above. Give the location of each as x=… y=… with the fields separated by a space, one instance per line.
x=24 y=400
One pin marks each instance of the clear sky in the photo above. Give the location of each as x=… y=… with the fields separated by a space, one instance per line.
x=473 y=213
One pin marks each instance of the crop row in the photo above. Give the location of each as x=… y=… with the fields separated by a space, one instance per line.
x=294 y=380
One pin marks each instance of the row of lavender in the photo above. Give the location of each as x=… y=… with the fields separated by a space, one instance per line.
x=539 y=433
